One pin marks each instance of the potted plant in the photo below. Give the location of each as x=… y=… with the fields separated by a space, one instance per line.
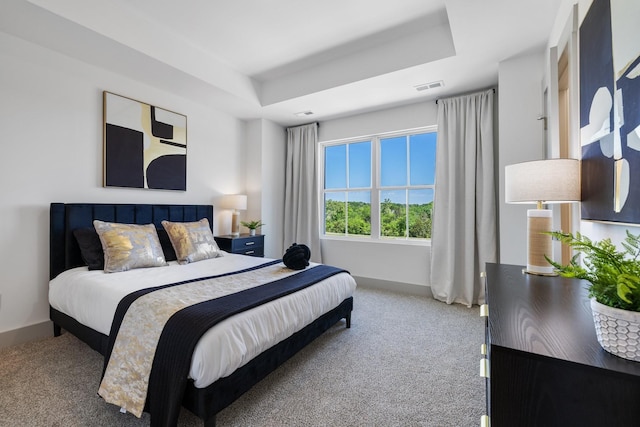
x=614 y=288
x=252 y=225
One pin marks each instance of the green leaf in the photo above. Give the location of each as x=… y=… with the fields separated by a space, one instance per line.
x=614 y=274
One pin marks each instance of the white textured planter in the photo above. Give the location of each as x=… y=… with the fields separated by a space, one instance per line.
x=618 y=330
x=252 y=232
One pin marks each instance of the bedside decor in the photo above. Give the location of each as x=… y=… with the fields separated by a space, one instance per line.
x=541 y=182
x=252 y=225
x=235 y=202
x=614 y=277
x=144 y=146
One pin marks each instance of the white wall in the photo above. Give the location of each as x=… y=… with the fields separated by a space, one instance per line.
x=521 y=139
x=266 y=156
x=396 y=262
x=253 y=175
x=51 y=127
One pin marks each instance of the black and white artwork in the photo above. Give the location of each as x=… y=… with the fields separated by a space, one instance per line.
x=144 y=146
x=610 y=111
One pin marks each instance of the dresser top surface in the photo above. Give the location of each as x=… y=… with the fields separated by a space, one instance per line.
x=546 y=316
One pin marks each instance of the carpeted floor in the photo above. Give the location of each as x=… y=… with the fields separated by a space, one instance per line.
x=406 y=361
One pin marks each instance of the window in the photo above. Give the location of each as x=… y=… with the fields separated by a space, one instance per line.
x=347 y=184
x=380 y=187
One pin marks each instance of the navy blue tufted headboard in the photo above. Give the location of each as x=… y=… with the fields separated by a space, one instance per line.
x=65 y=217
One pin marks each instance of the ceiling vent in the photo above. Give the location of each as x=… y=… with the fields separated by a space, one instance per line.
x=428 y=86
x=304 y=113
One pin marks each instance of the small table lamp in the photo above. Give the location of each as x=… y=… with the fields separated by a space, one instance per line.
x=236 y=202
x=541 y=182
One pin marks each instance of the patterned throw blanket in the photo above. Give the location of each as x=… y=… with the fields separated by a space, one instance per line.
x=155 y=331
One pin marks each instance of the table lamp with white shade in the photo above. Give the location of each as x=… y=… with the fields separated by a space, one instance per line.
x=541 y=182
x=235 y=202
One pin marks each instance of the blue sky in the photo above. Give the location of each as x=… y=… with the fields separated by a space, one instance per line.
x=393 y=167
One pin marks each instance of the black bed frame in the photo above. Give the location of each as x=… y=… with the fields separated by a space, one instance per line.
x=204 y=402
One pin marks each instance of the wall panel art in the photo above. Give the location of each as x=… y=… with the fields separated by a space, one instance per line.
x=610 y=111
x=144 y=146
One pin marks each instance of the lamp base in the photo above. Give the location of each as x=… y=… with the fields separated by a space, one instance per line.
x=235 y=223
x=537 y=273
x=539 y=244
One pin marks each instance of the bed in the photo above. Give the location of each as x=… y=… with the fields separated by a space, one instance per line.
x=206 y=395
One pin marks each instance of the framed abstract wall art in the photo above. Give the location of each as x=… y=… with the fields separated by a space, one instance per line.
x=610 y=111
x=144 y=146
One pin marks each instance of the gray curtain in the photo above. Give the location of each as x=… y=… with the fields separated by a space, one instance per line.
x=464 y=218
x=301 y=219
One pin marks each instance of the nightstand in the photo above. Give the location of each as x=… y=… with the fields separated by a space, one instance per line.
x=243 y=244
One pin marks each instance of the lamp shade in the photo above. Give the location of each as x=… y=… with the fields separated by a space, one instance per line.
x=235 y=201
x=546 y=181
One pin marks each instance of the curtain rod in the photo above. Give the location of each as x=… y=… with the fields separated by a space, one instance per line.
x=304 y=124
x=286 y=130
x=494 y=91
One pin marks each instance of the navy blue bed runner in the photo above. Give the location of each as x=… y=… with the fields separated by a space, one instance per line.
x=184 y=329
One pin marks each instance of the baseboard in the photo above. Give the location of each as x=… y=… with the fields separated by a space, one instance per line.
x=26 y=334
x=387 y=285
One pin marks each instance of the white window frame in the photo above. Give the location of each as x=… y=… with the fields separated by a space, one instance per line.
x=375 y=188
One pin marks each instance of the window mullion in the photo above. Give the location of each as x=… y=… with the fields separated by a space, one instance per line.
x=346 y=194
x=406 y=190
x=375 y=189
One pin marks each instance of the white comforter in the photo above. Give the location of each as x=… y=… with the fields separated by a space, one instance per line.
x=91 y=297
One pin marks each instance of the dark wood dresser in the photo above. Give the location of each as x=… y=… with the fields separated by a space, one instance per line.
x=243 y=244
x=544 y=364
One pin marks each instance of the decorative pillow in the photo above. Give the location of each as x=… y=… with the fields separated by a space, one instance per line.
x=167 y=247
x=296 y=257
x=90 y=247
x=129 y=246
x=192 y=241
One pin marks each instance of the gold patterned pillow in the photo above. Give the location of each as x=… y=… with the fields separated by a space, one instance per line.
x=129 y=246
x=192 y=241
